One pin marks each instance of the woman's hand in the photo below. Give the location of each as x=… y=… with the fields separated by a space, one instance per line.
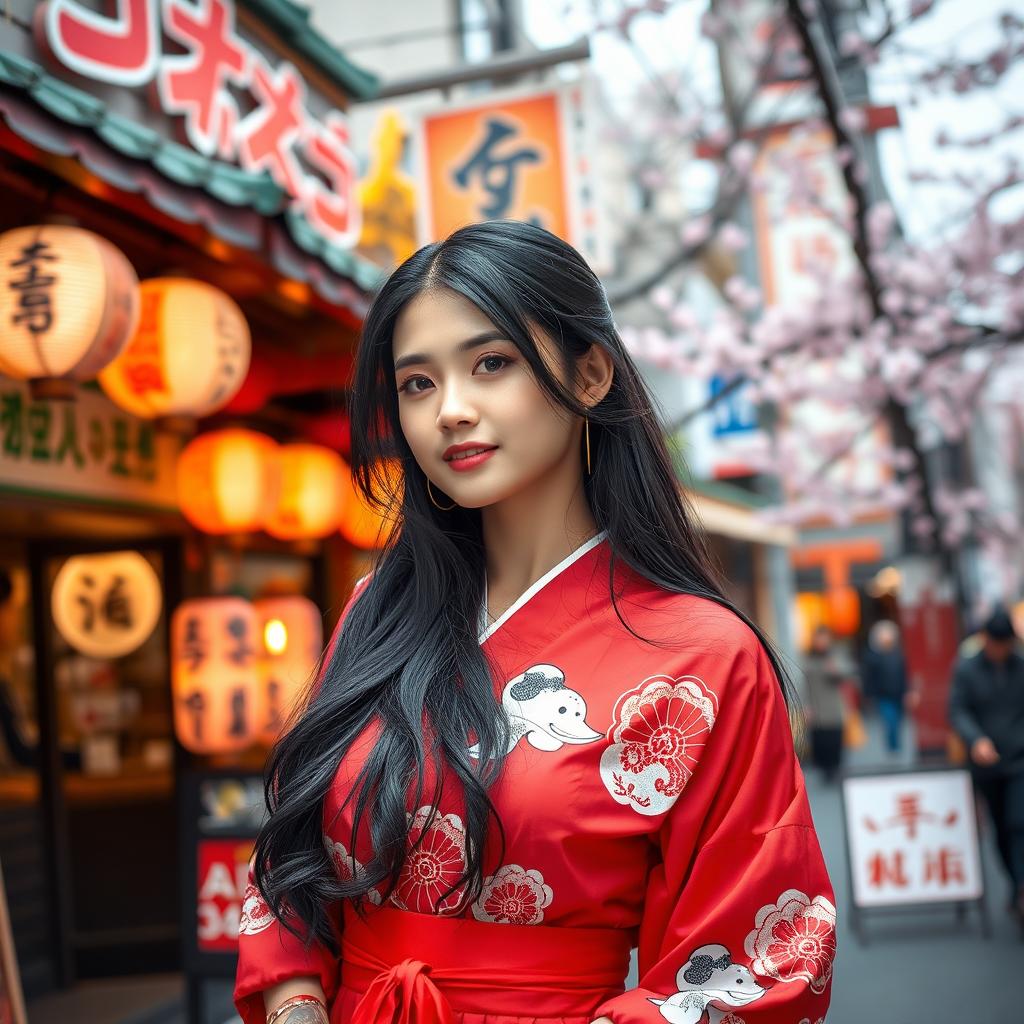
x=603 y=1020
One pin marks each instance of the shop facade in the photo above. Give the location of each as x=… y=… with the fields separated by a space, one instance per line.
x=206 y=143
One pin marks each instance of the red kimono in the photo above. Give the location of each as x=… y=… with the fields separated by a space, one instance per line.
x=651 y=799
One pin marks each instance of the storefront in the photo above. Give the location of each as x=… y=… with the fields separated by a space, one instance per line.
x=206 y=143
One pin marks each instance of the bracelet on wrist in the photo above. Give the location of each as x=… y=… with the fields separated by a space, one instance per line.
x=302 y=999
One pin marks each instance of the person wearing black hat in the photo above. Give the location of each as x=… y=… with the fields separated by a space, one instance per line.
x=986 y=708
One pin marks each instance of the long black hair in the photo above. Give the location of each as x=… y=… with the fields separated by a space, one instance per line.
x=408 y=662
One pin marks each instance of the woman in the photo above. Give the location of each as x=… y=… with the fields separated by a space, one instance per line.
x=542 y=736
x=824 y=674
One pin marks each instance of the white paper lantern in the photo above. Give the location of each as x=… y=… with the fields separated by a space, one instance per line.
x=106 y=605
x=215 y=657
x=69 y=302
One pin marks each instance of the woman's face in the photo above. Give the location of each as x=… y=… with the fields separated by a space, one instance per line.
x=467 y=383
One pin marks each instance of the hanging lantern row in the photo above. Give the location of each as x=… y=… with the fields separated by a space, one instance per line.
x=240 y=481
x=72 y=309
x=238 y=668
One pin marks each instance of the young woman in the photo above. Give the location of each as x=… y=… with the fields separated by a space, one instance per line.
x=541 y=736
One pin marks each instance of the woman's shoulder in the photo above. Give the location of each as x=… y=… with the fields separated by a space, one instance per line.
x=692 y=619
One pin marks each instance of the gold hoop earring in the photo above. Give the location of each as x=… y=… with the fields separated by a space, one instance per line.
x=586 y=434
x=443 y=508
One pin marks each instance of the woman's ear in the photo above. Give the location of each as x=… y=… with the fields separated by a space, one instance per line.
x=594 y=374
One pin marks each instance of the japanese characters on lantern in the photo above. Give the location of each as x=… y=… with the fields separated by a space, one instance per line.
x=912 y=838
x=225 y=482
x=69 y=302
x=292 y=632
x=106 y=605
x=215 y=675
x=310 y=158
x=188 y=356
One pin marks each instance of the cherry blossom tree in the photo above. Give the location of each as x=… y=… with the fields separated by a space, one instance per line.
x=907 y=332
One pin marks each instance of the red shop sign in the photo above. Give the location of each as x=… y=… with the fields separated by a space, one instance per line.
x=223 y=873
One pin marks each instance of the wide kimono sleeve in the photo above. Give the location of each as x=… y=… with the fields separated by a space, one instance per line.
x=739 y=918
x=268 y=953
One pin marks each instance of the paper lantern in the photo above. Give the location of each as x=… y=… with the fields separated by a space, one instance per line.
x=215 y=658
x=842 y=610
x=69 y=302
x=188 y=356
x=810 y=614
x=309 y=492
x=292 y=632
x=225 y=483
x=361 y=524
x=106 y=605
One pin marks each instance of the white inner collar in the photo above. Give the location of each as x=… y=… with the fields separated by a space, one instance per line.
x=484 y=630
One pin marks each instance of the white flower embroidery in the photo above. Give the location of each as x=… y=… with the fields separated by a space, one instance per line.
x=346 y=866
x=710 y=985
x=513 y=895
x=256 y=916
x=434 y=866
x=794 y=940
x=659 y=731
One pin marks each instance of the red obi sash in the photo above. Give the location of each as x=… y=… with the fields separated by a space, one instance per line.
x=420 y=969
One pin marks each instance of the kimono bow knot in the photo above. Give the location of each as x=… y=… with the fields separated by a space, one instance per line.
x=404 y=994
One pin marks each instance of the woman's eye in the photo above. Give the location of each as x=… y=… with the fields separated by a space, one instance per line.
x=407 y=382
x=501 y=359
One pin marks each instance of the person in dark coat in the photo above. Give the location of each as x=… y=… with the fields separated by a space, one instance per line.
x=884 y=679
x=986 y=708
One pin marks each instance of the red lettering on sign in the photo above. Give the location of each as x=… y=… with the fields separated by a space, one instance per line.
x=195 y=84
x=884 y=870
x=944 y=866
x=122 y=49
x=268 y=135
x=334 y=211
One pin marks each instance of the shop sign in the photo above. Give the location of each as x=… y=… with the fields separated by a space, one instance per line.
x=911 y=838
x=272 y=130
x=223 y=872
x=86 y=448
x=523 y=156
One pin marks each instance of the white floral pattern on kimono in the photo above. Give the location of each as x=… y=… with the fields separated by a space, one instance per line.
x=513 y=895
x=346 y=866
x=794 y=940
x=659 y=731
x=256 y=916
x=434 y=866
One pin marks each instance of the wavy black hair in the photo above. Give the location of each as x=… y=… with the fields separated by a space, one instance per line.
x=408 y=660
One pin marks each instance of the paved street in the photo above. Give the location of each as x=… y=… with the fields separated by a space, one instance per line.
x=920 y=967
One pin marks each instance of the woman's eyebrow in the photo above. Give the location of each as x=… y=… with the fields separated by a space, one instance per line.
x=484 y=338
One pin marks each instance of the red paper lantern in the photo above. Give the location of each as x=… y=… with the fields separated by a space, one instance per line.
x=308 y=492
x=361 y=524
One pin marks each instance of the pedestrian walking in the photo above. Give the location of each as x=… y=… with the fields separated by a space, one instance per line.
x=986 y=708
x=542 y=734
x=884 y=679
x=825 y=671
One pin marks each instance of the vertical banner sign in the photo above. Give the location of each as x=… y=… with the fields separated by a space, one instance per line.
x=911 y=839
x=521 y=156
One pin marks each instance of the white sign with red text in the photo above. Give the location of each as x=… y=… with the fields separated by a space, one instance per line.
x=209 y=69
x=912 y=838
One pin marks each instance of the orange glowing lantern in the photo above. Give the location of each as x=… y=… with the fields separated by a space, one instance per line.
x=188 y=356
x=225 y=482
x=69 y=302
x=810 y=614
x=361 y=524
x=292 y=631
x=842 y=610
x=215 y=658
x=309 y=492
